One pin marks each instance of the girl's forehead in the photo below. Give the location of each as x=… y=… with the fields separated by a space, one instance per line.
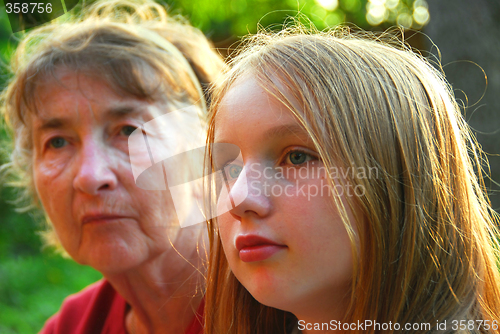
x=247 y=103
x=251 y=117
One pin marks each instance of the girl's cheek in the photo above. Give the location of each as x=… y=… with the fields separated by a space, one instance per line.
x=224 y=225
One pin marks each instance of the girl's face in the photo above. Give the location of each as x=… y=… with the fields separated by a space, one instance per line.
x=286 y=242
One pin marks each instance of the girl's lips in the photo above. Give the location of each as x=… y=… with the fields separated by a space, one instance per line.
x=253 y=248
x=259 y=253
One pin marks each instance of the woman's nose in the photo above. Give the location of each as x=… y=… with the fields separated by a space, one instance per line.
x=94 y=172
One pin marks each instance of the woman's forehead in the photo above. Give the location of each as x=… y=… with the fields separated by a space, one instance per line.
x=69 y=97
x=66 y=78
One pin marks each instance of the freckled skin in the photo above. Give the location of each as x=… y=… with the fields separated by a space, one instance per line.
x=91 y=172
x=311 y=277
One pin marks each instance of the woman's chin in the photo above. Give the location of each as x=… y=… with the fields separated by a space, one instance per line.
x=112 y=257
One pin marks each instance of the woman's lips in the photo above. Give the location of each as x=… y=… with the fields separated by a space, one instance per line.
x=101 y=218
x=253 y=248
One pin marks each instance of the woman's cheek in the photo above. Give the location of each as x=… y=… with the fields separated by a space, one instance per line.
x=120 y=159
x=51 y=165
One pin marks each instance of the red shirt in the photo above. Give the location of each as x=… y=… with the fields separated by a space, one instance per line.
x=99 y=309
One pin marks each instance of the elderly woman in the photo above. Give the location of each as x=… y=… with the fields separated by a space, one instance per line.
x=79 y=89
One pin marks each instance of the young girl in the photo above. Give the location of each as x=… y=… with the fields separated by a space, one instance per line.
x=362 y=207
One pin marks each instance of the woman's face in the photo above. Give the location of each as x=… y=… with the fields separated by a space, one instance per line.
x=84 y=180
x=286 y=242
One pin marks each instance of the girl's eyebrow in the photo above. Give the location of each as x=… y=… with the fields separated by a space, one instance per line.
x=284 y=130
x=280 y=131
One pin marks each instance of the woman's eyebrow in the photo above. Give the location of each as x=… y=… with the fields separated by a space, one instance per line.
x=51 y=123
x=123 y=111
x=60 y=122
x=120 y=112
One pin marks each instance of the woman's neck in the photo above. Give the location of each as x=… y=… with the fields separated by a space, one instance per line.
x=163 y=293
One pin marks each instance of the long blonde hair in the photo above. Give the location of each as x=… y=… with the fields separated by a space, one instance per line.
x=428 y=247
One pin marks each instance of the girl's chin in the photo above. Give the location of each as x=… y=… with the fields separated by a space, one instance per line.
x=276 y=301
x=271 y=295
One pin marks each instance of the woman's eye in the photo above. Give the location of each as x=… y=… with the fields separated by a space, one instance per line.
x=298 y=157
x=127 y=130
x=57 y=142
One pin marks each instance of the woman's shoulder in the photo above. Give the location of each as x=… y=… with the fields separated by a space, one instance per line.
x=89 y=311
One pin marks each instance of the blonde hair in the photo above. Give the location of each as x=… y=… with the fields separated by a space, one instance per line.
x=428 y=247
x=134 y=45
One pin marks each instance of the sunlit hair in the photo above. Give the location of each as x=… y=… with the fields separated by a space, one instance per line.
x=135 y=46
x=427 y=234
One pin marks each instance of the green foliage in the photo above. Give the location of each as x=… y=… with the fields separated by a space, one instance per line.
x=32 y=283
x=33 y=288
x=227 y=19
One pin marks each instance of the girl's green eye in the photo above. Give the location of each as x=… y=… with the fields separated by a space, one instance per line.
x=234 y=171
x=298 y=158
x=57 y=142
x=127 y=130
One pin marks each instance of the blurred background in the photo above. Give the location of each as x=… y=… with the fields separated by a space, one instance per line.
x=461 y=35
